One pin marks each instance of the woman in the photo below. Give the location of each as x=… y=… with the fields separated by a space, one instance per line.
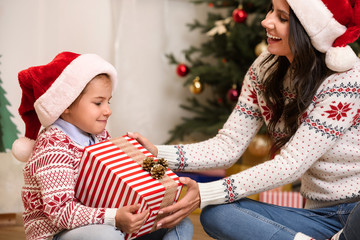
x=310 y=81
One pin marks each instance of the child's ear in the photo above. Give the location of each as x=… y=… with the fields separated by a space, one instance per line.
x=66 y=112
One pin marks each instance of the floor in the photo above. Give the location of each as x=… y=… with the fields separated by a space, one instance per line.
x=13 y=230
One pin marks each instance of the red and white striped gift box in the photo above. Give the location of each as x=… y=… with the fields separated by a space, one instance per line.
x=282 y=198
x=111 y=176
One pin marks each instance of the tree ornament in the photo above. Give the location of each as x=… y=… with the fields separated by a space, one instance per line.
x=182 y=70
x=260 y=145
x=148 y=163
x=239 y=15
x=196 y=87
x=233 y=94
x=157 y=171
x=260 y=48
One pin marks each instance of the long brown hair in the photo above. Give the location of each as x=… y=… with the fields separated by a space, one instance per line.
x=307 y=71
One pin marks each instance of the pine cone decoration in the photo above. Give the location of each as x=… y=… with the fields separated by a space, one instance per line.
x=157 y=171
x=163 y=162
x=148 y=163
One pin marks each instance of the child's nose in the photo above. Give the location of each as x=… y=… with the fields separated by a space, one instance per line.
x=107 y=111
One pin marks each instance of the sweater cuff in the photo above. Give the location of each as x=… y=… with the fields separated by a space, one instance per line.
x=169 y=153
x=110 y=214
x=212 y=193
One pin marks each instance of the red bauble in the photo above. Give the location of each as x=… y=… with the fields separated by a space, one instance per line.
x=182 y=70
x=239 y=15
x=233 y=95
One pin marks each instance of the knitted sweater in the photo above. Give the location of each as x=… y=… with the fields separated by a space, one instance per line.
x=48 y=193
x=324 y=152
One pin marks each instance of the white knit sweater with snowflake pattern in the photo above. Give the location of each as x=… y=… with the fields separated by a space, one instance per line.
x=49 y=181
x=324 y=152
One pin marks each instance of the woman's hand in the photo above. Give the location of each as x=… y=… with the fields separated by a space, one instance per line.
x=183 y=208
x=128 y=221
x=145 y=142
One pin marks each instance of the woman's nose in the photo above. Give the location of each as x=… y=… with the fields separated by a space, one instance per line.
x=267 y=23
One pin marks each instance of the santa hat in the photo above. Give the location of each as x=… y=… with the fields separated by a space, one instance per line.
x=49 y=89
x=331 y=26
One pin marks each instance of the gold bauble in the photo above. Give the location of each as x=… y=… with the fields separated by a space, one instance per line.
x=260 y=48
x=196 y=87
x=260 y=145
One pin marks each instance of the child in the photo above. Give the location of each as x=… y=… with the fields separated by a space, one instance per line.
x=70 y=98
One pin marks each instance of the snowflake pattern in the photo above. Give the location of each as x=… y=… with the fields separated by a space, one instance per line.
x=266 y=112
x=230 y=187
x=338 y=111
x=181 y=158
x=49 y=186
x=32 y=201
x=53 y=204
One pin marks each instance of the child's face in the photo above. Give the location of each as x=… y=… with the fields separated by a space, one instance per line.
x=91 y=110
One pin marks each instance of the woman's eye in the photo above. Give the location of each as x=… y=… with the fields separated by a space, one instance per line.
x=97 y=103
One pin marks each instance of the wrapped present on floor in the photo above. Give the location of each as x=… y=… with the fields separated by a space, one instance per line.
x=283 y=198
x=111 y=176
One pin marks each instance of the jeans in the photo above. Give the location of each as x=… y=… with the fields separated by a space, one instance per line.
x=249 y=219
x=351 y=230
x=183 y=231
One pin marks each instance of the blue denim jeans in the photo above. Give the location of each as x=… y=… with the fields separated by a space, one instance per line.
x=249 y=219
x=183 y=231
x=351 y=230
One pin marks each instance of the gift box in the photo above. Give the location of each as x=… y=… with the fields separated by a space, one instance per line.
x=111 y=176
x=282 y=198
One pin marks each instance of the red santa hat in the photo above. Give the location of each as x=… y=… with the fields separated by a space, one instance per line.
x=47 y=90
x=331 y=26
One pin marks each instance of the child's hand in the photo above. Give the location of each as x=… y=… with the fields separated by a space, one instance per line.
x=143 y=141
x=128 y=221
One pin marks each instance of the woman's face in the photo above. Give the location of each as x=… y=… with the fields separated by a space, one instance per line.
x=276 y=25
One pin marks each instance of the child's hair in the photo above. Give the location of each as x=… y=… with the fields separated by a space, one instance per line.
x=47 y=90
x=101 y=75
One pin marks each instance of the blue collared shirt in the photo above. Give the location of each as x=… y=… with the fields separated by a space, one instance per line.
x=77 y=135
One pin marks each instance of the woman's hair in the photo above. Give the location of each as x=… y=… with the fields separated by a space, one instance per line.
x=307 y=71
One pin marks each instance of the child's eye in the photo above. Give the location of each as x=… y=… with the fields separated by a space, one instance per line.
x=97 y=103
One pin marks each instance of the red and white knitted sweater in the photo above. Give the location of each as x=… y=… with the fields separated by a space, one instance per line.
x=324 y=152
x=49 y=182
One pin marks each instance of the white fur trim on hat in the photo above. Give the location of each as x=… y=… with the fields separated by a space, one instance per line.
x=22 y=148
x=318 y=22
x=69 y=85
x=340 y=59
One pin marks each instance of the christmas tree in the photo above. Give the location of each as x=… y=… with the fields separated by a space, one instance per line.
x=235 y=39
x=8 y=130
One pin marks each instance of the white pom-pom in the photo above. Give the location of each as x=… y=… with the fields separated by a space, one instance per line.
x=22 y=148
x=340 y=59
